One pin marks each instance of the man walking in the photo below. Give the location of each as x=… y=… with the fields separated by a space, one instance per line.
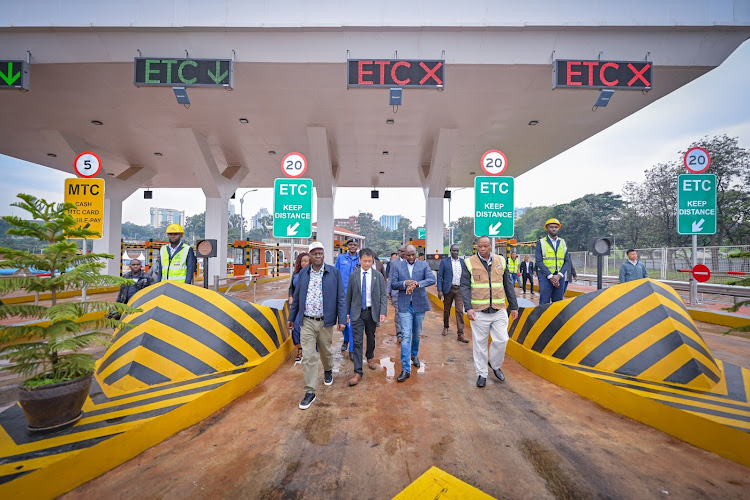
x=552 y=262
x=319 y=303
x=449 y=290
x=393 y=292
x=513 y=269
x=632 y=269
x=177 y=261
x=488 y=293
x=346 y=264
x=527 y=273
x=367 y=301
x=411 y=277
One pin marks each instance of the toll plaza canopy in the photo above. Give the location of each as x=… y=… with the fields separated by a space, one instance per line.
x=265 y=78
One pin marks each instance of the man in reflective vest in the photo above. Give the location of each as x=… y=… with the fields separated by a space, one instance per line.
x=552 y=262
x=513 y=264
x=177 y=261
x=488 y=294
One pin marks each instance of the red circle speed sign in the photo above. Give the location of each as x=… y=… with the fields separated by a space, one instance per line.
x=494 y=162
x=697 y=160
x=87 y=164
x=701 y=273
x=294 y=165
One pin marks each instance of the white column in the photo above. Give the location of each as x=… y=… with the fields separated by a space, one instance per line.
x=325 y=227
x=434 y=225
x=111 y=234
x=217 y=217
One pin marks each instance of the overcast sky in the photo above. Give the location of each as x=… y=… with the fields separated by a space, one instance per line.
x=717 y=103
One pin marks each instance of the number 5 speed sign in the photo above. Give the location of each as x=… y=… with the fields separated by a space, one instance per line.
x=87 y=164
x=494 y=162
x=294 y=165
x=697 y=160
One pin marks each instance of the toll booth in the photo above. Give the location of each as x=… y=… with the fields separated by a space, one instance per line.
x=433 y=260
x=420 y=246
x=249 y=255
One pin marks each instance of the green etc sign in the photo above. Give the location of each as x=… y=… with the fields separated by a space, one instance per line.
x=183 y=72
x=493 y=207
x=696 y=204
x=292 y=208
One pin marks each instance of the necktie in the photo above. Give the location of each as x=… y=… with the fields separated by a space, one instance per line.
x=364 y=290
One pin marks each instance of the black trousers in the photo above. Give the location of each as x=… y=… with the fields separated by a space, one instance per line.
x=529 y=277
x=364 y=324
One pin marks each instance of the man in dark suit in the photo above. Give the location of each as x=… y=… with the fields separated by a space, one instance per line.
x=367 y=301
x=411 y=278
x=319 y=302
x=449 y=290
x=527 y=273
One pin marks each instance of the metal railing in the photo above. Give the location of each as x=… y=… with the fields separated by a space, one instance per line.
x=233 y=281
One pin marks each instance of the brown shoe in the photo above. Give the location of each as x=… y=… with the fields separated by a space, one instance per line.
x=355 y=379
x=445 y=331
x=372 y=364
x=463 y=339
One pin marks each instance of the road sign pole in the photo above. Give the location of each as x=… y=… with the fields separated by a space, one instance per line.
x=83 y=291
x=693 y=281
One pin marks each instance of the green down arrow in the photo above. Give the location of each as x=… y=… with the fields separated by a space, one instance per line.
x=11 y=78
x=217 y=77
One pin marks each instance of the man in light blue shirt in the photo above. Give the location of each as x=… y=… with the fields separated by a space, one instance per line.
x=632 y=269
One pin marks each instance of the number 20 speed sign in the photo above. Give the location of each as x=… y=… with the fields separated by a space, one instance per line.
x=494 y=162
x=697 y=160
x=294 y=165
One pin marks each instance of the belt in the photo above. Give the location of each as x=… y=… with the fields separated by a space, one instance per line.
x=455 y=286
x=313 y=317
x=489 y=310
x=366 y=308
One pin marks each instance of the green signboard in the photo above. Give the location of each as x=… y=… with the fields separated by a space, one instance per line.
x=292 y=208
x=696 y=204
x=421 y=233
x=493 y=206
x=183 y=72
x=14 y=75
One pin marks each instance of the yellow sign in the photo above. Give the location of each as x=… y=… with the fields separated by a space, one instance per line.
x=88 y=197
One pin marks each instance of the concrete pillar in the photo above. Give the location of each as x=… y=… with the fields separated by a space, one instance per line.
x=111 y=234
x=217 y=217
x=434 y=225
x=325 y=227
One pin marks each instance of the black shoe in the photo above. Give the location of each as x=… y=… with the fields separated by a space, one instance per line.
x=499 y=374
x=404 y=375
x=328 y=377
x=481 y=381
x=351 y=357
x=307 y=401
x=415 y=361
x=345 y=346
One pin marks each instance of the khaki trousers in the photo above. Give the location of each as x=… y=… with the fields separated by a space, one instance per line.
x=484 y=326
x=313 y=333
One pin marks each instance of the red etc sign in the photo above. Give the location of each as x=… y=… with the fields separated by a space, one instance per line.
x=627 y=75
x=395 y=73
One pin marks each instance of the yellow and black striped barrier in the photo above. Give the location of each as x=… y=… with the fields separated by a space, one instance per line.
x=190 y=352
x=633 y=348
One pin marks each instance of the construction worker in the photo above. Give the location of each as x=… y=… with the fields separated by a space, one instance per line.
x=177 y=261
x=513 y=263
x=552 y=262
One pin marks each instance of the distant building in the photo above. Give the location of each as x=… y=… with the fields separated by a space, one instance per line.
x=232 y=210
x=390 y=221
x=161 y=217
x=255 y=219
x=351 y=222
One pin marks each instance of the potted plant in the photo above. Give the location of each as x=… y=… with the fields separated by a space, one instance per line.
x=48 y=353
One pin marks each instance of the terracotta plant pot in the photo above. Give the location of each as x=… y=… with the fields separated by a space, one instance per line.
x=53 y=406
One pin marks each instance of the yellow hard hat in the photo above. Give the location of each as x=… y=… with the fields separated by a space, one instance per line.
x=175 y=228
x=552 y=221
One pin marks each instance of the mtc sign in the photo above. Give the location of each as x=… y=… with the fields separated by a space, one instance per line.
x=696 y=204
x=395 y=73
x=292 y=208
x=624 y=75
x=88 y=197
x=493 y=207
x=183 y=72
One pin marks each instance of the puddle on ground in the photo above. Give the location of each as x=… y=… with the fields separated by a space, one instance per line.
x=390 y=367
x=422 y=364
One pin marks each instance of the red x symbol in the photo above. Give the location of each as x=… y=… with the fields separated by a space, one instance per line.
x=431 y=73
x=638 y=75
